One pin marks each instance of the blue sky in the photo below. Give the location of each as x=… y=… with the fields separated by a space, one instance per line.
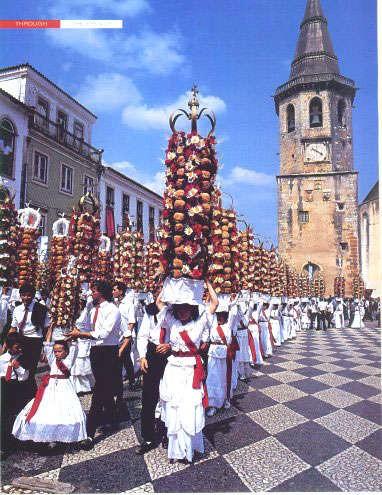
x=238 y=52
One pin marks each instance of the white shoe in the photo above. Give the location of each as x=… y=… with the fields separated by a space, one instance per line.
x=227 y=404
x=211 y=412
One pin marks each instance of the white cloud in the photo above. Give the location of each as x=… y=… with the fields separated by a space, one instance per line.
x=156 y=53
x=86 y=9
x=241 y=175
x=108 y=91
x=144 y=117
x=154 y=182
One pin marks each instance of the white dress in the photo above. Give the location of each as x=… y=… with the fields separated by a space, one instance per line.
x=305 y=321
x=217 y=362
x=59 y=417
x=339 y=321
x=243 y=355
x=254 y=328
x=359 y=312
x=265 y=336
x=293 y=322
x=181 y=405
x=276 y=326
x=81 y=373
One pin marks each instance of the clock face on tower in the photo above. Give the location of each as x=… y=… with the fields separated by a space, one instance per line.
x=316 y=152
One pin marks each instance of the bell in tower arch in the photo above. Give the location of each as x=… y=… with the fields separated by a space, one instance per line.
x=315 y=112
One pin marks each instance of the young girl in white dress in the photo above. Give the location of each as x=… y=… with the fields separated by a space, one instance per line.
x=182 y=394
x=55 y=414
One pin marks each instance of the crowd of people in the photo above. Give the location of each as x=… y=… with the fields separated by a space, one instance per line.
x=188 y=359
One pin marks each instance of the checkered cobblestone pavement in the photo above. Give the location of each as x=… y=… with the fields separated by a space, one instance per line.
x=311 y=421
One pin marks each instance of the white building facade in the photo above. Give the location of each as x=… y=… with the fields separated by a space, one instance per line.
x=59 y=162
x=121 y=195
x=13 y=133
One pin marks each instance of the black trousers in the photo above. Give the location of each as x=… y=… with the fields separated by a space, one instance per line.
x=150 y=392
x=128 y=363
x=321 y=322
x=32 y=352
x=329 y=318
x=14 y=396
x=313 y=318
x=104 y=363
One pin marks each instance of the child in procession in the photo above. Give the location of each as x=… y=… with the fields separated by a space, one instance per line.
x=55 y=414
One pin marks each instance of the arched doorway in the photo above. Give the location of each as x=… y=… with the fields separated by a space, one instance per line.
x=311 y=269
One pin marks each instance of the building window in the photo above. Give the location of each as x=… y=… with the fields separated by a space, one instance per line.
x=7 y=147
x=125 y=209
x=303 y=216
x=88 y=185
x=78 y=129
x=42 y=226
x=290 y=118
x=151 y=224
x=341 y=113
x=40 y=167
x=43 y=110
x=344 y=246
x=340 y=206
x=66 y=179
x=62 y=126
x=315 y=112
x=139 y=216
x=110 y=196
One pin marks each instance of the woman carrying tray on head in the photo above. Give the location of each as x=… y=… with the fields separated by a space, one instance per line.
x=182 y=390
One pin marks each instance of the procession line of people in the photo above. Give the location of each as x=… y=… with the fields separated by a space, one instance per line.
x=191 y=357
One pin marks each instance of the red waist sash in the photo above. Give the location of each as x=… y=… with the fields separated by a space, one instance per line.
x=199 y=374
x=232 y=348
x=44 y=383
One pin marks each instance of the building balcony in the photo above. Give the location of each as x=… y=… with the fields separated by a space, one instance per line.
x=62 y=136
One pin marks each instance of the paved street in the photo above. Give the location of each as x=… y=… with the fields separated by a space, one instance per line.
x=310 y=422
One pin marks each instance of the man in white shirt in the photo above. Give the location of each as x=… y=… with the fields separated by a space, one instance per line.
x=153 y=350
x=31 y=320
x=329 y=312
x=105 y=320
x=126 y=308
x=322 y=305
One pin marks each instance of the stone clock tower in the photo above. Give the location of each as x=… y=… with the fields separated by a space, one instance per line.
x=317 y=185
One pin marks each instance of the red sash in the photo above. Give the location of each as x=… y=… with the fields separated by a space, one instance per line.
x=252 y=347
x=269 y=329
x=41 y=389
x=199 y=374
x=231 y=354
x=253 y=322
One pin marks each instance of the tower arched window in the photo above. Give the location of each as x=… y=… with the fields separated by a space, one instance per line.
x=290 y=118
x=341 y=116
x=7 y=147
x=315 y=113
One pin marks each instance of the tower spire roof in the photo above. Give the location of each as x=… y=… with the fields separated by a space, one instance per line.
x=314 y=52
